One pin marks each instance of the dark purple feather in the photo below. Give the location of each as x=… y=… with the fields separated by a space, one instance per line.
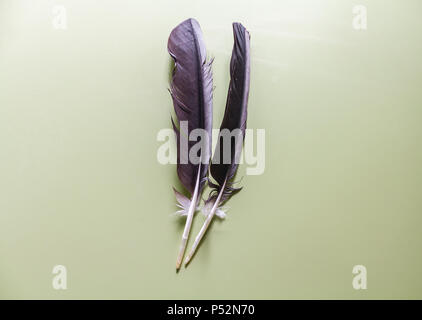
x=235 y=115
x=191 y=90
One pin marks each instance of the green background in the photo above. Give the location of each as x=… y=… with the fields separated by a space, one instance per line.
x=80 y=184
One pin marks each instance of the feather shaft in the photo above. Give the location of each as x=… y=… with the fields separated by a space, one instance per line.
x=189 y=220
x=205 y=226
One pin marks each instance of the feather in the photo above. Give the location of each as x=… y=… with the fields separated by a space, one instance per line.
x=191 y=92
x=227 y=154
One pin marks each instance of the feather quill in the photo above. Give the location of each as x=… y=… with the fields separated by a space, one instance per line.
x=191 y=91
x=227 y=154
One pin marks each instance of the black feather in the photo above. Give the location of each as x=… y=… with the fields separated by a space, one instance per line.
x=227 y=154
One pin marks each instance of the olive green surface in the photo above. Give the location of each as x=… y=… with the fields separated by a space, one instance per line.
x=80 y=184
